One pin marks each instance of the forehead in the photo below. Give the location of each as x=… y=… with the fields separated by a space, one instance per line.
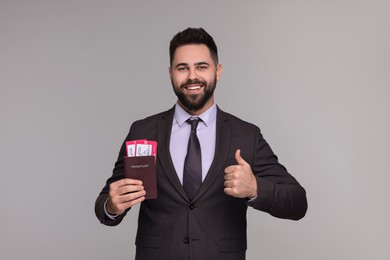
x=191 y=54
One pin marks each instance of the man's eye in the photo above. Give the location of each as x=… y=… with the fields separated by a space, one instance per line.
x=181 y=68
x=202 y=67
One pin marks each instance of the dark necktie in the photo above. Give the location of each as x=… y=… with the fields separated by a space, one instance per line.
x=192 y=174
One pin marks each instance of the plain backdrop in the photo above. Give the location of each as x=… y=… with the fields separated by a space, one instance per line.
x=313 y=75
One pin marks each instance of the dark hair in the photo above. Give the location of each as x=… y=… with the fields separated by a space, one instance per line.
x=193 y=36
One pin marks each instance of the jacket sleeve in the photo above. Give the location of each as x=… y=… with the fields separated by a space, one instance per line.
x=117 y=174
x=279 y=193
x=101 y=215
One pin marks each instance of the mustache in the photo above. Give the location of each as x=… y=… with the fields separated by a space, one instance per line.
x=193 y=81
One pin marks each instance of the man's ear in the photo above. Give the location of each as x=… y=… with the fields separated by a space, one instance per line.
x=219 y=71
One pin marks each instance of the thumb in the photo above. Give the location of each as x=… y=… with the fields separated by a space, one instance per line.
x=239 y=159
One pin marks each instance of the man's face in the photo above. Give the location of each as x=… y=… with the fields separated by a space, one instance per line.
x=194 y=76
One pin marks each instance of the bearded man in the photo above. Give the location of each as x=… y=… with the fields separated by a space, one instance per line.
x=210 y=167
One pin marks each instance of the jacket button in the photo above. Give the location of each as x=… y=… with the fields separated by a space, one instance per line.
x=192 y=206
x=186 y=240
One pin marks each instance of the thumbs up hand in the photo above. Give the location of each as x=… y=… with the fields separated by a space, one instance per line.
x=239 y=179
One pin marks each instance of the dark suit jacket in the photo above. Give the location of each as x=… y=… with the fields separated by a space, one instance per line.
x=213 y=225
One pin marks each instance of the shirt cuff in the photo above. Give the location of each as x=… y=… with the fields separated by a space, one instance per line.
x=251 y=202
x=112 y=217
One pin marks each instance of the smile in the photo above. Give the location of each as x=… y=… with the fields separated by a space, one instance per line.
x=193 y=89
x=196 y=87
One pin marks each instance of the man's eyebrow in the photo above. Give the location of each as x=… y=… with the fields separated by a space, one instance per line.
x=181 y=64
x=196 y=64
x=202 y=63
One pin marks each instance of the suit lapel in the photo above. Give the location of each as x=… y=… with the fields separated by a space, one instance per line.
x=221 y=152
x=164 y=127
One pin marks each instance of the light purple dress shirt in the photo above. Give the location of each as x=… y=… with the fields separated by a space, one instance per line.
x=206 y=132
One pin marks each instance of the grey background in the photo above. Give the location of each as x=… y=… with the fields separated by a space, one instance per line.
x=314 y=75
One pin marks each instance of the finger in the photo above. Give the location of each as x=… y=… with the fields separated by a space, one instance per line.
x=132 y=196
x=128 y=181
x=122 y=190
x=230 y=169
x=129 y=189
x=118 y=202
x=121 y=207
x=133 y=202
x=228 y=184
x=239 y=159
x=231 y=176
x=124 y=182
x=230 y=191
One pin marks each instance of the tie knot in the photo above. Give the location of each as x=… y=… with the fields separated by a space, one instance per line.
x=193 y=122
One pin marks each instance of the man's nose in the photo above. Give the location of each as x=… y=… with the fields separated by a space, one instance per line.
x=192 y=73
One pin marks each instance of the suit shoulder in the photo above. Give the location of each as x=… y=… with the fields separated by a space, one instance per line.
x=237 y=122
x=147 y=128
x=154 y=118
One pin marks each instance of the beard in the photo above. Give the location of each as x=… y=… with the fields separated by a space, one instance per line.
x=196 y=102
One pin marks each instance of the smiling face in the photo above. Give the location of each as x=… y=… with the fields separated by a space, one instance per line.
x=194 y=76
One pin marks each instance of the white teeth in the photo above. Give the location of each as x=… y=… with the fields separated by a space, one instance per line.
x=193 y=88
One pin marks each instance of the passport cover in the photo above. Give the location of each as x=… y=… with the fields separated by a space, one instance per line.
x=142 y=168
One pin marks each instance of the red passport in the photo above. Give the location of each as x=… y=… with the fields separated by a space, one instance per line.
x=142 y=168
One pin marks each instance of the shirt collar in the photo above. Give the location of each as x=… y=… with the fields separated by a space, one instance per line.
x=208 y=117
